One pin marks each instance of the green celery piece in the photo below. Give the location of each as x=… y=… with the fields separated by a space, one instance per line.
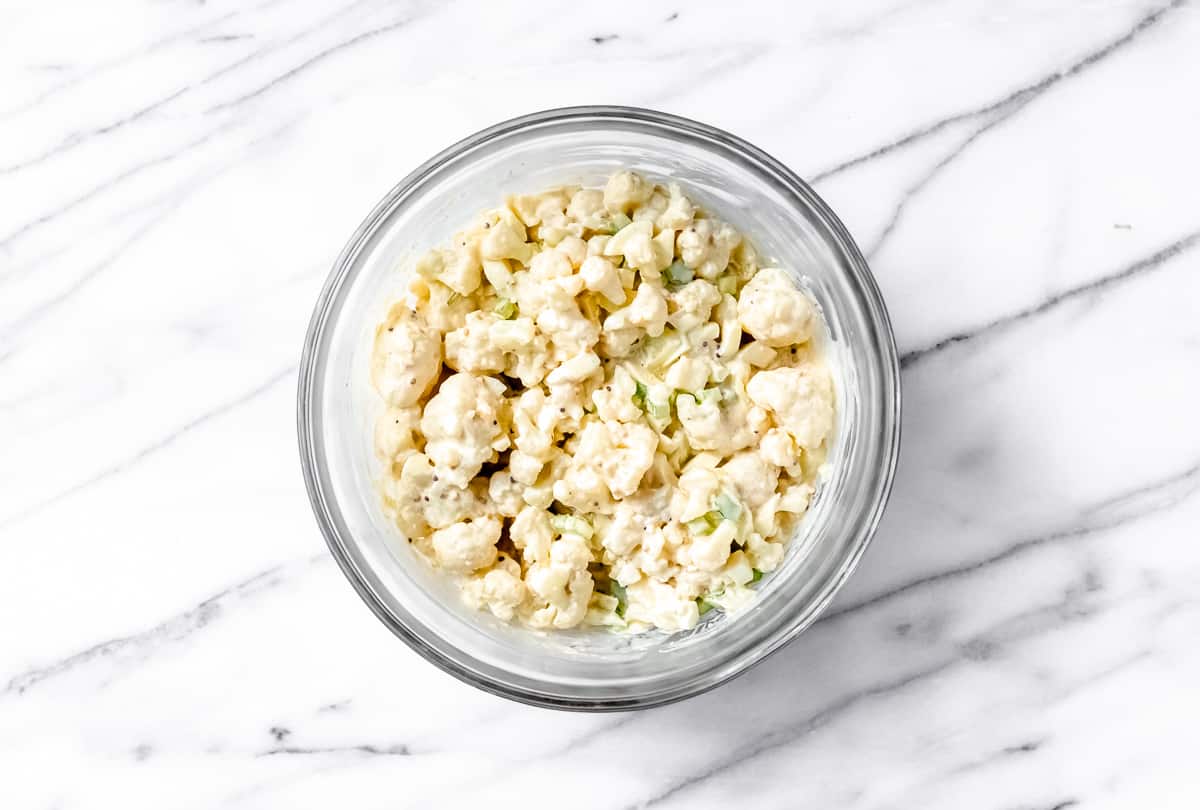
x=679 y=273
x=704 y=605
x=757 y=575
x=639 y=396
x=506 y=309
x=616 y=589
x=727 y=285
x=618 y=222
x=700 y=525
x=727 y=506
x=572 y=524
x=714 y=518
x=658 y=410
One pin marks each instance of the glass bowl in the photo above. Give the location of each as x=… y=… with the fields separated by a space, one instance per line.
x=593 y=669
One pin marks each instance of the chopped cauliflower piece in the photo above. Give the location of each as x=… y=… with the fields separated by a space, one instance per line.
x=800 y=399
x=626 y=190
x=467 y=546
x=647 y=311
x=406 y=360
x=462 y=427
x=774 y=311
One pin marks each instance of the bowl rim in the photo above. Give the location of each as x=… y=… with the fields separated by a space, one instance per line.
x=310 y=361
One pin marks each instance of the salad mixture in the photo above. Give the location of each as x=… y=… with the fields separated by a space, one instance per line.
x=602 y=408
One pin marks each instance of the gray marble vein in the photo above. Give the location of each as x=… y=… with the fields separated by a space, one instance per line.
x=1017 y=98
x=1156 y=261
x=154 y=447
x=128 y=651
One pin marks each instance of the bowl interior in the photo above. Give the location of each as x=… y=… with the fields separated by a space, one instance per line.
x=591 y=667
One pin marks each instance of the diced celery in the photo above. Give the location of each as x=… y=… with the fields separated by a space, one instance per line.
x=618 y=222
x=727 y=284
x=506 y=309
x=712 y=395
x=660 y=352
x=705 y=605
x=714 y=518
x=569 y=523
x=727 y=506
x=618 y=590
x=658 y=410
x=639 y=396
x=678 y=274
x=699 y=525
x=757 y=575
x=604 y=601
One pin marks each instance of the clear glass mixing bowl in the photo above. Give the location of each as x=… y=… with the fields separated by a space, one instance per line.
x=593 y=669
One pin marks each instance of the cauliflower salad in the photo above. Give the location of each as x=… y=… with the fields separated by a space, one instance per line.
x=602 y=408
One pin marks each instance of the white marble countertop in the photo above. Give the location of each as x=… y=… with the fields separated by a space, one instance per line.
x=175 y=181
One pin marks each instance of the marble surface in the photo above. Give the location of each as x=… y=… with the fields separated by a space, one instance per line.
x=175 y=180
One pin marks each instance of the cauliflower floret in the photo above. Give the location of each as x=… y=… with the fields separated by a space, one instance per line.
x=500 y=590
x=658 y=604
x=642 y=250
x=626 y=530
x=801 y=400
x=614 y=400
x=620 y=453
x=561 y=586
x=423 y=499
x=697 y=487
x=437 y=305
x=774 y=311
x=406 y=359
x=679 y=211
x=504 y=238
x=687 y=374
x=705 y=246
x=795 y=498
x=600 y=275
x=470 y=347
x=708 y=552
x=778 y=448
x=534 y=208
x=534 y=431
x=531 y=535
x=652 y=208
x=467 y=546
x=462 y=426
x=754 y=477
x=623 y=451
x=723 y=427
x=582 y=488
x=587 y=208
x=394 y=433
x=625 y=190
x=511 y=336
x=692 y=304
x=620 y=342
x=574 y=248
x=597 y=243
x=647 y=310
x=764 y=555
x=458 y=268
x=504 y=494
